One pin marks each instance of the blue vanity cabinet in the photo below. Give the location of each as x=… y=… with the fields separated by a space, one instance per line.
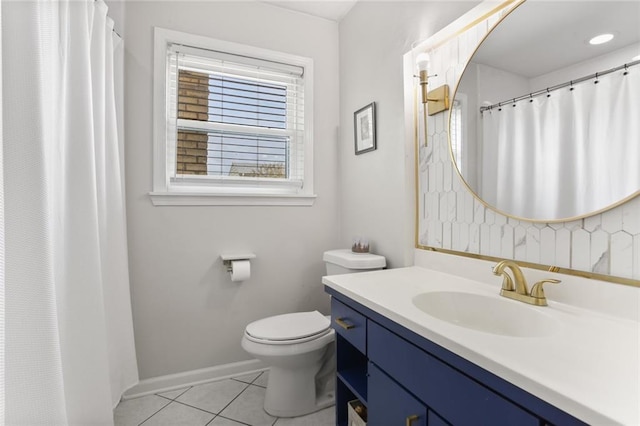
x=405 y=379
x=390 y=404
x=350 y=324
x=456 y=397
x=351 y=357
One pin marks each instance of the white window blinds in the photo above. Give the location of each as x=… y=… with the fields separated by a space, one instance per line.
x=233 y=120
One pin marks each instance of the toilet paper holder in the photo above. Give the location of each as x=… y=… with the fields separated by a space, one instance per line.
x=228 y=258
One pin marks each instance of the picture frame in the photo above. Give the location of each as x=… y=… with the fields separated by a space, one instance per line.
x=364 y=127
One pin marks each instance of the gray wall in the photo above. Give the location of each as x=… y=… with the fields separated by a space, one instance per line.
x=187 y=313
x=377 y=188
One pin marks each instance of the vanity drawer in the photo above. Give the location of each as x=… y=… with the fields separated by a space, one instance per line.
x=459 y=399
x=349 y=324
x=390 y=404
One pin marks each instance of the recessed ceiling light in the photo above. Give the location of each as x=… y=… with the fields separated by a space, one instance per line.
x=602 y=38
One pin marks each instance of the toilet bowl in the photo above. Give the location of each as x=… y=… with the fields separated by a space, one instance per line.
x=299 y=348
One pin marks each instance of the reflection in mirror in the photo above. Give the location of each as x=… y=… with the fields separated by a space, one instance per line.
x=534 y=132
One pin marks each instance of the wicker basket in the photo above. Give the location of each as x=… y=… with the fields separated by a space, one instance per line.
x=357 y=413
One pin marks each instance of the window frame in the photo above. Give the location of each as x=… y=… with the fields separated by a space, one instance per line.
x=218 y=190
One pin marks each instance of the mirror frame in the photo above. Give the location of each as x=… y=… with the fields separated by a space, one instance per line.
x=416 y=137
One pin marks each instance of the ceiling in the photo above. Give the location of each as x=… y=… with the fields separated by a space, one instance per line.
x=334 y=10
x=541 y=36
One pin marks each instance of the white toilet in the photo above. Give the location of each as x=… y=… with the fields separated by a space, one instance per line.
x=299 y=347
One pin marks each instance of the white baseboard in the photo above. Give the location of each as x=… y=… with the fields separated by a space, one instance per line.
x=193 y=377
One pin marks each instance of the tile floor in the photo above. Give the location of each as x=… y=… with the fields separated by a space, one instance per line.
x=232 y=402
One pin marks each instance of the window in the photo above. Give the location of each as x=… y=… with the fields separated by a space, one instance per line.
x=460 y=123
x=232 y=124
x=455 y=132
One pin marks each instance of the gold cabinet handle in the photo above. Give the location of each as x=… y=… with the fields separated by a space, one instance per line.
x=410 y=419
x=343 y=324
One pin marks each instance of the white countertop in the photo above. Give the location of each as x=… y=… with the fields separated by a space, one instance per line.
x=589 y=368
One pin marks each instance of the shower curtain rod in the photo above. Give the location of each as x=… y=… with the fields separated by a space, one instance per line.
x=559 y=86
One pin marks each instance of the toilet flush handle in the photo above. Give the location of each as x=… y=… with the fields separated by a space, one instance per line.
x=343 y=324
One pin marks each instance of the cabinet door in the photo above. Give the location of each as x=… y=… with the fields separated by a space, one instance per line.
x=391 y=405
x=435 y=420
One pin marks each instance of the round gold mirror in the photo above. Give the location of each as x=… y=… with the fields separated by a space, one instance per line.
x=544 y=125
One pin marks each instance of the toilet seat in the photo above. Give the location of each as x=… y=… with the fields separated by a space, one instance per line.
x=288 y=329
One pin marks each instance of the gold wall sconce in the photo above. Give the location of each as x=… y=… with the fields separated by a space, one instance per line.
x=437 y=99
x=434 y=101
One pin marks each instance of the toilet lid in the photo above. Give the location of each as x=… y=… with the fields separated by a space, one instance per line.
x=289 y=326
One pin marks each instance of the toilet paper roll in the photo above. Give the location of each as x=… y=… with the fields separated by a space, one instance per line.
x=240 y=270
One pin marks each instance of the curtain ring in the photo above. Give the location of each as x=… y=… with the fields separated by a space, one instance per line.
x=548 y=94
x=596 y=82
x=530 y=97
x=626 y=70
x=514 y=102
x=499 y=106
x=571 y=87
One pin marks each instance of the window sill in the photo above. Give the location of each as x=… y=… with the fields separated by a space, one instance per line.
x=214 y=199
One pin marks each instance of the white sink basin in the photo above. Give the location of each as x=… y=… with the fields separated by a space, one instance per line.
x=487 y=314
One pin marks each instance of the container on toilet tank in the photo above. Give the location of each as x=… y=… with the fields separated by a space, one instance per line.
x=344 y=261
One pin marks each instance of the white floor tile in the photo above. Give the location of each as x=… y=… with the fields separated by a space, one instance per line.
x=249 y=408
x=326 y=417
x=176 y=414
x=247 y=378
x=221 y=421
x=262 y=380
x=174 y=393
x=244 y=406
x=212 y=396
x=132 y=412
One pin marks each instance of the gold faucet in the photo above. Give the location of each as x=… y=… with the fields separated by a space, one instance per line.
x=516 y=287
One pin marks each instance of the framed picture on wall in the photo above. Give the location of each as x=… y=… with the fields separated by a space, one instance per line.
x=364 y=126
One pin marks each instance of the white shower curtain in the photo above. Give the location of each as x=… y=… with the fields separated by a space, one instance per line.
x=2 y=279
x=573 y=152
x=69 y=351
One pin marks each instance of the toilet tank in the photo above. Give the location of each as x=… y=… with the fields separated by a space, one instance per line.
x=344 y=261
